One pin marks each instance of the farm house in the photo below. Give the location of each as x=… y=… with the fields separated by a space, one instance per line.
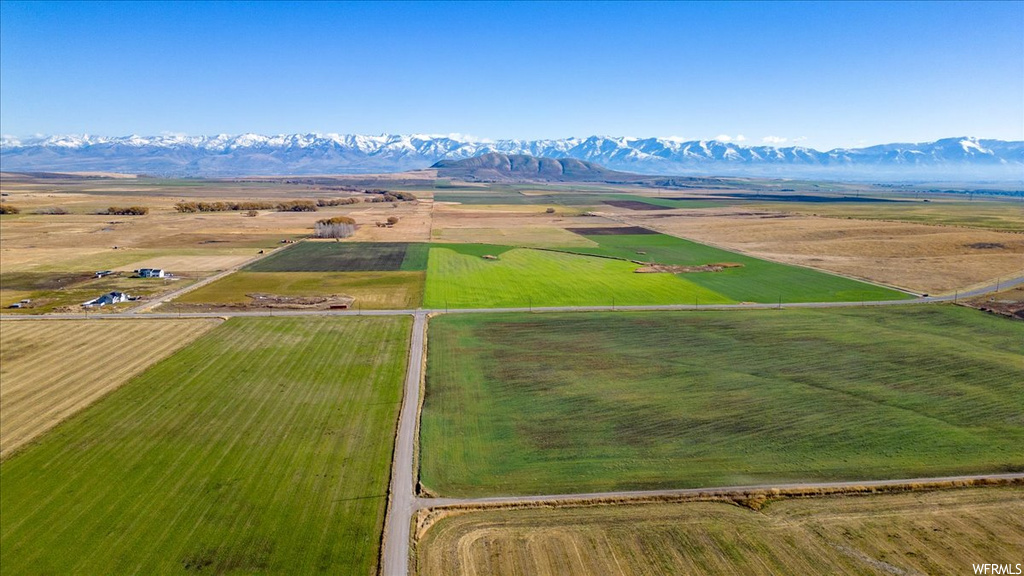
x=108 y=298
x=150 y=272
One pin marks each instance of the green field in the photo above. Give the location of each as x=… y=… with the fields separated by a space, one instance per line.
x=371 y=290
x=345 y=257
x=563 y=403
x=262 y=447
x=570 y=277
x=525 y=277
x=756 y=281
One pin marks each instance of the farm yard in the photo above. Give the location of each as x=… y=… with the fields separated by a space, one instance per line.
x=66 y=292
x=564 y=403
x=51 y=370
x=940 y=532
x=262 y=447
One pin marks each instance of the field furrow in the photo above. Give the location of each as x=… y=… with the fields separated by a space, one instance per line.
x=263 y=447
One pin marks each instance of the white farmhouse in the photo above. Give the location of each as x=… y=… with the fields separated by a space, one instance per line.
x=150 y=273
x=109 y=298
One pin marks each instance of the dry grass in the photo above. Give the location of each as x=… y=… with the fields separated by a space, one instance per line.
x=83 y=240
x=927 y=532
x=539 y=237
x=413 y=224
x=52 y=369
x=1005 y=215
x=513 y=225
x=86 y=242
x=185 y=264
x=917 y=257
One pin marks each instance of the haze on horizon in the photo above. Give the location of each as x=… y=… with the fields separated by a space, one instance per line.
x=822 y=75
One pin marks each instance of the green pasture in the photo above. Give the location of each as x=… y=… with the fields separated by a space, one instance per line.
x=459 y=277
x=264 y=447
x=755 y=281
x=568 y=403
x=523 y=277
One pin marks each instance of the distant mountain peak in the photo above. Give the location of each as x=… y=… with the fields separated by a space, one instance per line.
x=961 y=157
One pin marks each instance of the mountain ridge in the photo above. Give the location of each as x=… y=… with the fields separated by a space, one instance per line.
x=495 y=166
x=294 y=154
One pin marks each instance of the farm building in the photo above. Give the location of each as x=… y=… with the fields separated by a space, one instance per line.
x=102 y=273
x=150 y=273
x=109 y=298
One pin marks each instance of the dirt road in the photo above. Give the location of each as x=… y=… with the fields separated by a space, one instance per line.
x=402 y=499
x=1002 y=285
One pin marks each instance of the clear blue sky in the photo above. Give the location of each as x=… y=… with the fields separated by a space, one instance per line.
x=835 y=74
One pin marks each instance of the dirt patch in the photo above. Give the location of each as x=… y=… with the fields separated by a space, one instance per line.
x=634 y=205
x=611 y=231
x=335 y=301
x=987 y=246
x=1006 y=303
x=673 y=269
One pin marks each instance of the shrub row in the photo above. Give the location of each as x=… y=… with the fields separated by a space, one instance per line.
x=222 y=206
x=337 y=201
x=287 y=206
x=386 y=196
x=128 y=210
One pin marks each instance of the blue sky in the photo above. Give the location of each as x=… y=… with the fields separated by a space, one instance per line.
x=821 y=74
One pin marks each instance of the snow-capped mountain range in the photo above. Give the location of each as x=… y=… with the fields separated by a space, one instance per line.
x=288 y=154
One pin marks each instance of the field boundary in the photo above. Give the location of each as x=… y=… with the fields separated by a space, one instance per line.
x=823 y=271
x=431 y=510
x=948 y=298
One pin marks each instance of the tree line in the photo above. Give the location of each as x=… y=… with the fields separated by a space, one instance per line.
x=247 y=206
x=291 y=205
